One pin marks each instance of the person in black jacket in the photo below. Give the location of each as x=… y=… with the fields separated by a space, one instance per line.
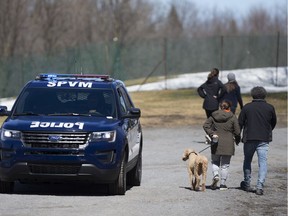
x=233 y=92
x=257 y=119
x=212 y=91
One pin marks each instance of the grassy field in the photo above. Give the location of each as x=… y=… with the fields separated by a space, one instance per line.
x=172 y=108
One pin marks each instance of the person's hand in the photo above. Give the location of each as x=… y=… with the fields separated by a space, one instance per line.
x=215 y=138
x=237 y=140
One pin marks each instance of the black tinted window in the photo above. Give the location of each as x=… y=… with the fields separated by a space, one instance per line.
x=57 y=101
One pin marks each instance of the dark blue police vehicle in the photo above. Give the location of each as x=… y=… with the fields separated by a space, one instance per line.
x=66 y=128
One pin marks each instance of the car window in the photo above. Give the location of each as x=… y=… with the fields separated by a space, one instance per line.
x=45 y=101
x=123 y=106
x=124 y=100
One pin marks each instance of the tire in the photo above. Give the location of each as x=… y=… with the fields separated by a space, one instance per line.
x=119 y=186
x=135 y=175
x=6 y=187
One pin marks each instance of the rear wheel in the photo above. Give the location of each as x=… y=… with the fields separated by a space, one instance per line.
x=119 y=186
x=6 y=187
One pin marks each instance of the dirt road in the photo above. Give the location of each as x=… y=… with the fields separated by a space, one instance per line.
x=165 y=187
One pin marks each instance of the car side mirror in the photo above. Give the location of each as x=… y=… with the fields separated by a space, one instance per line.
x=133 y=113
x=3 y=111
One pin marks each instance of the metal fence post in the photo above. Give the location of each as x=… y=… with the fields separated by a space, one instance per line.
x=277 y=56
x=165 y=61
x=221 y=54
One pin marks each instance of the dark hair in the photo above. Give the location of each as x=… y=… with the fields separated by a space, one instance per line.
x=230 y=86
x=258 y=92
x=225 y=104
x=214 y=72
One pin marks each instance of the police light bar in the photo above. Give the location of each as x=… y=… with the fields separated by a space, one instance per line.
x=72 y=76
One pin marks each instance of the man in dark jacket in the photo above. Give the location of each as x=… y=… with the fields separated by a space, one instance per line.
x=257 y=119
x=212 y=91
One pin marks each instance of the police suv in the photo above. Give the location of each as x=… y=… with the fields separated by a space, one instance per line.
x=66 y=128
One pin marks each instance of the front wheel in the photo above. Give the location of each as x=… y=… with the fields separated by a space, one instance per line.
x=135 y=175
x=119 y=186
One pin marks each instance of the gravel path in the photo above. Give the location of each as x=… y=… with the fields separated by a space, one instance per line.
x=165 y=186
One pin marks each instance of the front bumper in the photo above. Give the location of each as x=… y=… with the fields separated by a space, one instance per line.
x=32 y=172
x=59 y=165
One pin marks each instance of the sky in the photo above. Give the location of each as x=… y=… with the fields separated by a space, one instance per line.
x=272 y=79
x=239 y=7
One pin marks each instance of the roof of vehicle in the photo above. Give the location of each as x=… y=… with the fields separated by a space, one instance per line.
x=74 y=80
x=88 y=77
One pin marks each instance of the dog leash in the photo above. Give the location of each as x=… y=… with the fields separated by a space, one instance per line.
x=204 y=149
x=210 y=144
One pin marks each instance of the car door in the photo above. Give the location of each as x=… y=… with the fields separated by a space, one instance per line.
x=132 y=124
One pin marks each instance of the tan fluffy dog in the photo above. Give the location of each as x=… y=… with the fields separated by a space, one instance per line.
x=197 y=166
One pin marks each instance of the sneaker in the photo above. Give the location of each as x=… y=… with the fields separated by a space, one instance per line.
x=214 y=183
x=246 y=188
x=259 y=191
x=223 y=187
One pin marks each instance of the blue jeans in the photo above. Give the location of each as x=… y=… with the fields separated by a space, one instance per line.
x=250 y=148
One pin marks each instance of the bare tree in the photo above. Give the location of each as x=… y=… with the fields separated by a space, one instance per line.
x=280 y=19
x=81 y=16
x=120 y=19
x=257 y=21
x=13 y=14
x=261 y=21
x=173 y=27
x=220 y=24
x=50 y=22
x=117 y=22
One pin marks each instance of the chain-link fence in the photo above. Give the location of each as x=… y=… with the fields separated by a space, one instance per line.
x=149 y=57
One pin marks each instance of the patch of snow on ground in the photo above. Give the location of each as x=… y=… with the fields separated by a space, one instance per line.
x=271 y=79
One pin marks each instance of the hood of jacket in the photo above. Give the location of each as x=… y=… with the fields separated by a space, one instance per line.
x=221 y=116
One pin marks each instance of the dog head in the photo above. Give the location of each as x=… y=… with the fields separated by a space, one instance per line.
x=186 y=154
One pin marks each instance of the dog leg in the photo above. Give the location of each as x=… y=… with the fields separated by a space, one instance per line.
x=194 y=183
x=197 y=186
x=204 y=181
x=204 y=174
x=191 y=179
x=197 y=177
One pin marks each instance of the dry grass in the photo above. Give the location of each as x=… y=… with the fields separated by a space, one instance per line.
x=172 y=108
x=2 y=119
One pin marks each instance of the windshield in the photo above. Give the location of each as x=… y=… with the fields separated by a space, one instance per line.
x=48 y=101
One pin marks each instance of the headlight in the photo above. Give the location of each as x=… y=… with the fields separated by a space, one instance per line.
x=108 y=136
x=10 y=134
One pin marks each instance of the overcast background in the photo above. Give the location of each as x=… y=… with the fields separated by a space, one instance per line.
x=237 y=7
